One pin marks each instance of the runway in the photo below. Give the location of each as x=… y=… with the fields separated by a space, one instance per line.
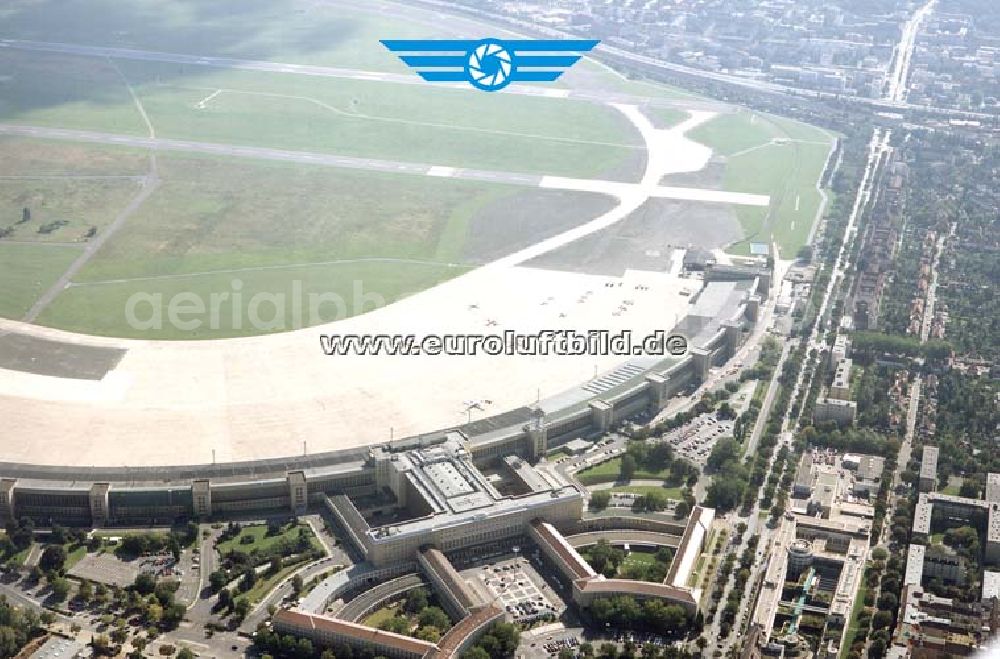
x=348 y=73
x=614 y=188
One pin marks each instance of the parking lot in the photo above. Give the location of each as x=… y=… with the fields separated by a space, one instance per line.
x=515 y=584
x=108 y=569
x=695 y=440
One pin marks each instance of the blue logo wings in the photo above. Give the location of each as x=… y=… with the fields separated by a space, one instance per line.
x=490 y=64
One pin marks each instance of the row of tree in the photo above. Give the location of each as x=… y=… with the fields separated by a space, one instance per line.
x=624 y=612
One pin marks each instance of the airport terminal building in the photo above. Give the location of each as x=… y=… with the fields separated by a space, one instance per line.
x=726 y=307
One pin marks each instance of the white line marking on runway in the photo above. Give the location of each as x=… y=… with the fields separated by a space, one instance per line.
x=438 y=170
x=201 y=104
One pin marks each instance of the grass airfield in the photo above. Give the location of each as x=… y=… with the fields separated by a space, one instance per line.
x=213 y=220
x=775 y=156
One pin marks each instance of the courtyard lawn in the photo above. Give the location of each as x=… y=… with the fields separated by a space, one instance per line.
x=381 y=615
x=262 y=541
x=609 y=471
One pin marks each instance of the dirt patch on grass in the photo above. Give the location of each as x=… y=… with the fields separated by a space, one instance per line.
x=646 y=239
x=516 y=221
x=19 y=352
x=711 y=177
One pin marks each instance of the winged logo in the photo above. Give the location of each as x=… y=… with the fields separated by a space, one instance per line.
x=490 y=64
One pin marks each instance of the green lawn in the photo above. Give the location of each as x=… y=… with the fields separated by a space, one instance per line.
x=954 y=486
x=638 y=558
x=759 y=391
x=852 y=625
x=665 y=117
x=74 y=554
x=604 y=472
x=325 y=293
x=609 y=471
x=379 y=616
x=774 y=156
x=695 y=577
x=66 y=92
x=21 y=156
x=262 y=541
x=734 y=132
x=788 y=173
x=267 y=582
x=76 y=204
x=27 y=271
x=417 y=123
x=17 y=560
x=272 y=227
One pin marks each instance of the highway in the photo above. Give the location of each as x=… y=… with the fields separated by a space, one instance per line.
x=900 y=72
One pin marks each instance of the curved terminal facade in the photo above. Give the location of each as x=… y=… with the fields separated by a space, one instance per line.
x=725 y=307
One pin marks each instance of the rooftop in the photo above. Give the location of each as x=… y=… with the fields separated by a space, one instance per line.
x=367 y=635
x=914 y=565
x=922 y=517
x=928 y=462
x=993 y=487
x=455 y=491
x=991 y=585
x=871 y=467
